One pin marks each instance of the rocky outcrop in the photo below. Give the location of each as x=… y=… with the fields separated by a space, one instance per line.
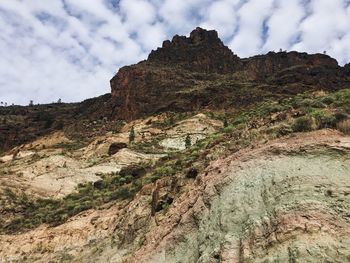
x=263 y=66
x=347 y=68
x=203 y=51
x=274 y=203
x=115 y=147
x=199 y=71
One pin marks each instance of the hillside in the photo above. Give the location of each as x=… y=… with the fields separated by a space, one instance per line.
x=196 y=155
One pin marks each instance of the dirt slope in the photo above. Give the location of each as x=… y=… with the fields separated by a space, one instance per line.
x=282 y=201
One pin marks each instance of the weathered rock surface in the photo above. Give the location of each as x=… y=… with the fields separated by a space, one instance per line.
x=200 y=72
x=203 y=51
x=198 y=127
x=274 y=203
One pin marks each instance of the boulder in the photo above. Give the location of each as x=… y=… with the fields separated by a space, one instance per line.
x=133 y=170
x=116 y=147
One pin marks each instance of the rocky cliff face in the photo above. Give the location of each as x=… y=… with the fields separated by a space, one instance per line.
x=173 y=76
x=347 y=68
x=203 y=51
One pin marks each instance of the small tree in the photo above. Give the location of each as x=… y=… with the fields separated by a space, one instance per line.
x=225 y=122
x=188 y=141
x=132 y=134
x=171 y=120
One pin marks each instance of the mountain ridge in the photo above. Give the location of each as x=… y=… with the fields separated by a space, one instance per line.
x=201 y=59
x=185 y=74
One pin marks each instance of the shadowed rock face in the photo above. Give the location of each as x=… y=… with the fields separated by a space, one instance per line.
x=199 y=71
x=347 y=68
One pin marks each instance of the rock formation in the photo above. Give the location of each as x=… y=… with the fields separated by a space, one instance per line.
x=199 y=71
x=203 y=51
x=187 y=73
x=265 y=179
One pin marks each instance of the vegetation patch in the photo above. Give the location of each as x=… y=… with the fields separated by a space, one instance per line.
x=344 y=126
x=267 y=120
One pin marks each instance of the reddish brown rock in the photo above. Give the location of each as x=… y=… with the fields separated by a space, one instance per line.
x=203 y=51
x=200 y=72
x=116 y=147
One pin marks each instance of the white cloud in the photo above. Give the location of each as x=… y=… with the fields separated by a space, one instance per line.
x=248 y=40
x=70 y=49
x=137 y=13
x=221 y=16
x=327 y=28
x=283 y=24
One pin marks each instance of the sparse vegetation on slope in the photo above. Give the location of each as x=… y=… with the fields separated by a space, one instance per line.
x=265 y=121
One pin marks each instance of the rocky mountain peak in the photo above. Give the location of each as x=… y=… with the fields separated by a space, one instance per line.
x=200 y=35
x=199 y=71
x=202 y=51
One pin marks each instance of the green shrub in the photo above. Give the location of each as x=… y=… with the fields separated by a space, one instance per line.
x=132 y=134
x=318 y=104
x=344 y=126
x=304 y=103
x=280 y=130
x=327 y=100
x=303 y=124
x=324 y=119
x=164 y=171
x=228 y=129
x=188 y=141
x=273 y=108
x=225 y=122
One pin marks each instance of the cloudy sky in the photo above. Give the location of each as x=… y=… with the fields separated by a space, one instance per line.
x=69 y=49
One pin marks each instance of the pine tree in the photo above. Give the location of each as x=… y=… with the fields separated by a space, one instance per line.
x=188 y=141
x=171 y=120
x=225 y=123
x=132 y=134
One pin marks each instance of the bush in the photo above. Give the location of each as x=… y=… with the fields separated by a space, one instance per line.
x=188 y=142
x=324 y=119
x=341 y=116
x=344 y=126
x=228 y=129
x=164 y=171
x=280 y=130
x=303 y=124
x=327 y=100
x=132 y=135
x=318 y=104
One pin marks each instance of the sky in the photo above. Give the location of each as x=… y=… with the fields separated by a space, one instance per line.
x=70 y=49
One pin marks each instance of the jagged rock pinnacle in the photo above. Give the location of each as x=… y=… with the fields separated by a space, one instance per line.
x=202 y=51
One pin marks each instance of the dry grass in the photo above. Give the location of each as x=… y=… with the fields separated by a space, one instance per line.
x=344 y=126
